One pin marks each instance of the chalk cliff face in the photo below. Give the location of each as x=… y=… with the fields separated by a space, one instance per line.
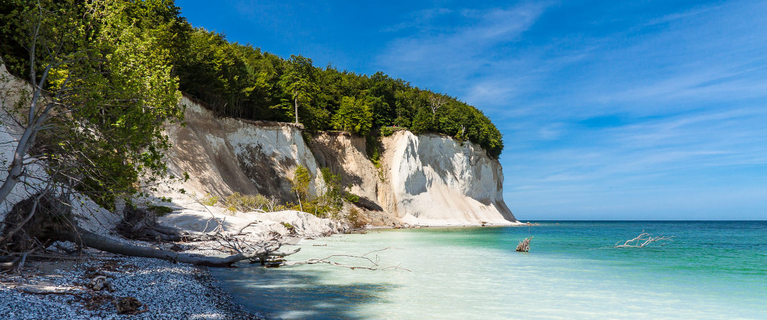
x=225 y=155
x=436 y=180
x=421 y=180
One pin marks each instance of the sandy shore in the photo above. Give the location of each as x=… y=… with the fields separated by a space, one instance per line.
x=62 y=290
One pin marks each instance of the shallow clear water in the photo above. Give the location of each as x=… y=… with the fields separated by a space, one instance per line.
x=712 y=270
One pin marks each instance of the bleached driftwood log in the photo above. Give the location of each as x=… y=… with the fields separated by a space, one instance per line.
x=93 y=240
x=524 y=245
x=642 y=240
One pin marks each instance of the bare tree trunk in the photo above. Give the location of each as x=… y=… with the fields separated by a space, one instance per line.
x=300 y=206
x=34 y=121
x=93 y=240
x=295 y=102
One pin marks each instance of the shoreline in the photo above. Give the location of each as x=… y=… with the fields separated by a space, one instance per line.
x=62 y=289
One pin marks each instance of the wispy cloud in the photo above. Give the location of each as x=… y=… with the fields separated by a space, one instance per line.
x=440 y=49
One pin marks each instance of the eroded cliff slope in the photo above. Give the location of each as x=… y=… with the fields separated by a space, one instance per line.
x=420 y=180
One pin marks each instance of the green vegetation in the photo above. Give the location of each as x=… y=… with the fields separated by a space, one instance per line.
x=146 y=46
x=301 y=180
x=105 y=69
x=245 y=203
x=355 y=219
x=159 y=210
x=328 y=202
x=291 y=228
x=210 y=200
x=353 y=116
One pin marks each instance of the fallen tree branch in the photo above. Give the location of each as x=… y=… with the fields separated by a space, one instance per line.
x=374 y=263
x=95 y=241
x=141 y=224
x=642 y=240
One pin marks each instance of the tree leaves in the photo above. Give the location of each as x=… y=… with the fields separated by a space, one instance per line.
x=354 y=116
x=110 y=90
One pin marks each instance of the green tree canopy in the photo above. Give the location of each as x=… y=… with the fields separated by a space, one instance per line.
x=354 y=116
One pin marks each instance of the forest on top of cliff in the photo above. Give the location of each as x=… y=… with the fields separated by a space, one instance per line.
x=240 y=80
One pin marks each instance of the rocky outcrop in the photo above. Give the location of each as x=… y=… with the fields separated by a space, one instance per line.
x=420 y=180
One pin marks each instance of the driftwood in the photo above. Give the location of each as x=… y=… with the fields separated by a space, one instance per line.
x=524 y=245
x=52 y=222
x=374 y=262
x=10 y=263
x=642 y=240
x=93 y=240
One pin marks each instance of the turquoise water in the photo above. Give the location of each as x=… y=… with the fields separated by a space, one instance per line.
x=711 y=270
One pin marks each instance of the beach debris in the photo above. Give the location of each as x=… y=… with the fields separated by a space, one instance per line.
x=642 y=240
x=100 y=283
x=373 y=263
x=524 y=245
x=129 y=305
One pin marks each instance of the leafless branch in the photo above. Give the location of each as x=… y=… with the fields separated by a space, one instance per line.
x=372 y=263
x=642 y=240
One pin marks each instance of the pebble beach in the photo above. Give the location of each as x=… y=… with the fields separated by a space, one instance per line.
x=164 y=290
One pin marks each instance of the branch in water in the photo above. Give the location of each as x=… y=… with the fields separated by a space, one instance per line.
x=373 y=262
x=642 y=240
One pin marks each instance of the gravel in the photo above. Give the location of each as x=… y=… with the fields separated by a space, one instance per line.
x=61 y=290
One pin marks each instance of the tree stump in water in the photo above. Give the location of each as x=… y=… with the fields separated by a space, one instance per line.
x=524 y=245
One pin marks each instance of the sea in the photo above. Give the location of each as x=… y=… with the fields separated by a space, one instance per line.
x=708 y=270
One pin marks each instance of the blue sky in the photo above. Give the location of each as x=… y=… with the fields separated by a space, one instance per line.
x=609 y=109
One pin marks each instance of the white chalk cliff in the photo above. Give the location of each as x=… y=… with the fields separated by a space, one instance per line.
x=436 y=180
x=428 y=180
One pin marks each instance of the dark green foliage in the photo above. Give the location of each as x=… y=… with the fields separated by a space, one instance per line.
x=353 y=198
x=328 y=201
x=373 y=149
x=109 y=89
